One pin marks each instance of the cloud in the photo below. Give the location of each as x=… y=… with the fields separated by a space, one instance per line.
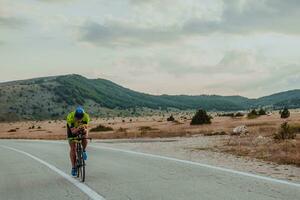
x=56 y=1
x=255 y=84
x=234 y=62
x=241 y=72
x=143 y=22
x=143 y=2
x=167 y=46
x=11 y=22
x=154 y=26
x=251 y=16
x=240 y=62
x=122 y=33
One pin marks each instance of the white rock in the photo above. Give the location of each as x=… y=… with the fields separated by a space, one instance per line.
x=240 y=130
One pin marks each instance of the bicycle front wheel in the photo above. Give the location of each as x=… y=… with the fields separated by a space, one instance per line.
x=80 y=165
x=82 y=170
x=79 y=160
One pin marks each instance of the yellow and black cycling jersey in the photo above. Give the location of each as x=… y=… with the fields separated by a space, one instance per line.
x=73 y=123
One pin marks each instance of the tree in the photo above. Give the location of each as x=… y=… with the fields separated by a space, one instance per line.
x=285 y=113
x=201 y=117
x=170 y=119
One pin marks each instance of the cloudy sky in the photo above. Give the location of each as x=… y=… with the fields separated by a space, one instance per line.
x=227 y=47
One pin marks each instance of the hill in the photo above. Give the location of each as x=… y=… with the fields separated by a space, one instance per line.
x=289 y=99
x=53 y=97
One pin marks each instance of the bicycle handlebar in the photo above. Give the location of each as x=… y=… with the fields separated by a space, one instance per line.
x=79 y=137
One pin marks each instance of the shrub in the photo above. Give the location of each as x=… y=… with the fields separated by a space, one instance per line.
x=226 y=115
x=170 y=119
x=101 y=128
x=12 y=130
x=201 y=117
x=262 y=112
x=285 y=113
x=253 y=114
x=122 y=130
x=215 y=133
x=295 y=128
x=239 y=114
x=146 y=128
x=285 y=132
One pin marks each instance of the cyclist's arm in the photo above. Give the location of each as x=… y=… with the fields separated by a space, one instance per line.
x=83 y=127
x=74 y=130
x=86 y=119
x=71 y=124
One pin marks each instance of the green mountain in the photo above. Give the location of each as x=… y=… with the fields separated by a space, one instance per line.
x=54 y=97
x=289 y=99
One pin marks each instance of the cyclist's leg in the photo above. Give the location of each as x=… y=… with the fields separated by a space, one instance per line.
x=72 y=147
x=73 y=153
x=84 y=141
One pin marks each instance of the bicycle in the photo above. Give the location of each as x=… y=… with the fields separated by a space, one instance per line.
x=80 y=162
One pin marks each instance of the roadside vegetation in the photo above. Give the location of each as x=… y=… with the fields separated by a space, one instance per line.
x=268 y=137
x=285 y=132
x=101 y=128
x=201 y=117
x=285 y=113
x=170 y=119
x=254 y=113
x=274 y=142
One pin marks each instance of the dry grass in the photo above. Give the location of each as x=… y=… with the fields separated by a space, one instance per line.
x=253 y=124
x=265 y=148
x=283 y=152
x=215 y=133
x=147 y=128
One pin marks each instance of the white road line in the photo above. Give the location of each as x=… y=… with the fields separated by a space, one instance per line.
x=202 y=165
x=186 y=162
x=84 y=188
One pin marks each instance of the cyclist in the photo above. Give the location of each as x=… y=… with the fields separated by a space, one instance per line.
x=77 y=122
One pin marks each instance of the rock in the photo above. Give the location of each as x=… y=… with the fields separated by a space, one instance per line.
x=260 y=137
x=240 y=130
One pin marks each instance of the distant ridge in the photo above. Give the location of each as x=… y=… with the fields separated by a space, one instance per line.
x=53 y=97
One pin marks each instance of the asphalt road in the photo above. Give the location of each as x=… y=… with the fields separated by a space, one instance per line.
x=40 y=170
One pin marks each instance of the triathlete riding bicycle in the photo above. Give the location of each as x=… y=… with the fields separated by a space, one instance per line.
x=77 y=122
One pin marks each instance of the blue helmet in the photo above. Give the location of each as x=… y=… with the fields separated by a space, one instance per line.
x=79 y=112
